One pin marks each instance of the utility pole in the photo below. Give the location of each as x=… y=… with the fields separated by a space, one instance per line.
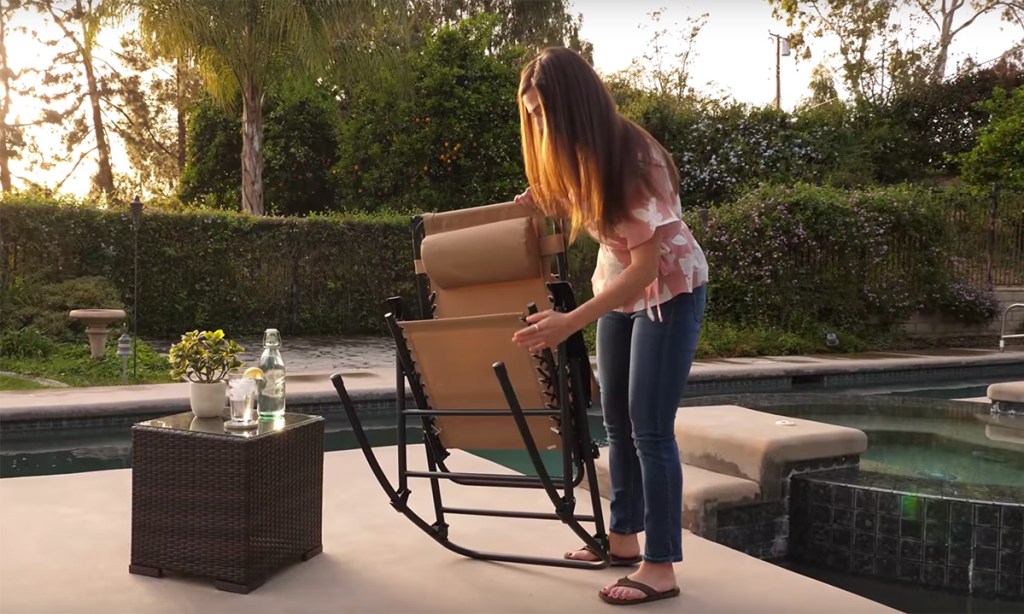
x=781 y=49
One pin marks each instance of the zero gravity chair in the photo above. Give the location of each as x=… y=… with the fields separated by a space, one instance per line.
x=480 y=271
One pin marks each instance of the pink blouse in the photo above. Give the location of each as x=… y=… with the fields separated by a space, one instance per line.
x=682 y=265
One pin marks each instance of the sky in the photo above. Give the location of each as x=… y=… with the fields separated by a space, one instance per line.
x=734 y=56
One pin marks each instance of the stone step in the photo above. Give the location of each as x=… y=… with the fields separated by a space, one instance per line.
x=703 y=492
x=760 y=447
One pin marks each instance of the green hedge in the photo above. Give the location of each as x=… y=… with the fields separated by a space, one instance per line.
x=796 y=258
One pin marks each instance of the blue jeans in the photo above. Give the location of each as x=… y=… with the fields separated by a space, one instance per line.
x=643 y=366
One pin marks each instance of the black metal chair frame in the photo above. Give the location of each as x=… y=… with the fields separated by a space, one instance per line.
x=569 y=375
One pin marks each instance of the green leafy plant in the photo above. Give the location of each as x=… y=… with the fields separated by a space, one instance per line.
x=204 y=357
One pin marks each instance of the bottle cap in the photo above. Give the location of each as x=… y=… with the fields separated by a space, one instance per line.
x=272 y=338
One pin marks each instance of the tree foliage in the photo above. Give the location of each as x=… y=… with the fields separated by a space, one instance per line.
x=242 y=49
x=879 y=55
x=998 y=157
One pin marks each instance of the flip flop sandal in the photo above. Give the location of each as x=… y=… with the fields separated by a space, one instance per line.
x=616 y=560
x=651 y=594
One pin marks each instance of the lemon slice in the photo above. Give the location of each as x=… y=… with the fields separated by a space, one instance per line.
x=253 y=373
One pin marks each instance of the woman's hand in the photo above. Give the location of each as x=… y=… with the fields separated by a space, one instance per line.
x=546 y=330
x=525 y=199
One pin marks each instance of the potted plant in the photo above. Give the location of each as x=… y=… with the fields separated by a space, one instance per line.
x=204 y=359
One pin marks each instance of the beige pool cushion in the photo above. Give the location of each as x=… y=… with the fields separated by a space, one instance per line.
x=756 y=445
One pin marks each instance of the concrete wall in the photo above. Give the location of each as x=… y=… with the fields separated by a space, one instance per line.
x=937 y=326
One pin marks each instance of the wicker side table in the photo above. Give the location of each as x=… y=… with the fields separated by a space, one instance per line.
x=231 y=506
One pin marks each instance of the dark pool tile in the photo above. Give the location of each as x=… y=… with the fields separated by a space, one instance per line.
x=1011 y=539
x=821 y=514
x=842 y=538
x=843 y=496
x=961 y=535
x=961 y=511
x=986 y=559
x=888 y=525
x=865 y=521
x=821 y=493
x=838 y=559
x=864 y=543
x=1011 y=562
x=886 y=567
x=986 y=515
x=986 y=537
x=1012 y=517
x=958 y=578
x=911 y=529
x=910 y=549
x=820 y=535
x=862 y=564
x=984 y=583
x=959 y=557
x=936 y=533
x=1009 y=586
x=910 y=571
x=911 y=507
x=867 y=500
x=935 y=575
x=889 y=503
x=936 y=510
x=934 y=554
x=887 y=546
x=842 y=517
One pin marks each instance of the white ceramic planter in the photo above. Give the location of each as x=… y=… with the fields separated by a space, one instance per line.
x=208 y=400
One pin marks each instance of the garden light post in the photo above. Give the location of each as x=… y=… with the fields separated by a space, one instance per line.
x=136 y=222
x=781 y=49
x=124 y=350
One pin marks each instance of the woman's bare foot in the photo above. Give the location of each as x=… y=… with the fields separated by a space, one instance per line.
x=622 y=546
x=659 y=576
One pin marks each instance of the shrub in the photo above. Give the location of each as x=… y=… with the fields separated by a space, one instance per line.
x=44 y=307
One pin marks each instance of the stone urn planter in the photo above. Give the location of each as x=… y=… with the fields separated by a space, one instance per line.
x=97 y=326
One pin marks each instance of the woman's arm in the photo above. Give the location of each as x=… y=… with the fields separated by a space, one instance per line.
x=549 y=328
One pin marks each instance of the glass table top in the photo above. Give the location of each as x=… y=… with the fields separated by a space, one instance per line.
x=189 y=422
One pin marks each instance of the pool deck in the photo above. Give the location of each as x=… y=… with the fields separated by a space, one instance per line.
x=67 y=540
x=776 y=373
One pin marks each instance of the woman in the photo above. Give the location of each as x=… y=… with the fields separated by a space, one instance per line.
x=604 y=174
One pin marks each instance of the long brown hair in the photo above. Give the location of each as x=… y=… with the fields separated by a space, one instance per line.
x=590 y=162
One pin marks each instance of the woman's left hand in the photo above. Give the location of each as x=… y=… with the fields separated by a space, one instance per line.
x=546 y=330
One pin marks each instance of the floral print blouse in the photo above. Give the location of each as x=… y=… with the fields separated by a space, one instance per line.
x=682 y=265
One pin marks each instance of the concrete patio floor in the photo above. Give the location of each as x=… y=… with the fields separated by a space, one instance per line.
x=65 y=543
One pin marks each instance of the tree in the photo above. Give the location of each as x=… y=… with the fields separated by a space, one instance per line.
x=246 y=48
x=301 y=149
x=151 y=106
x=999 y=155
x=666 y=76
x=533 y=25
x=80 y=24
x=875 y=63
x=10 y=135
x=943 y=17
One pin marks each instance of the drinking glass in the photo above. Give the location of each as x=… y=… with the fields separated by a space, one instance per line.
x=241 y=397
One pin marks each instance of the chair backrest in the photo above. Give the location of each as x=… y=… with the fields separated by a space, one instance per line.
x=486 y=260
x=453 y=358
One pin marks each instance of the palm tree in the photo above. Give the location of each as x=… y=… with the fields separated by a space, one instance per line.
x=246 y=47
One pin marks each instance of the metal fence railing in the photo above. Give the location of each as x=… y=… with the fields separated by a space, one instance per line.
x=988 y=240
